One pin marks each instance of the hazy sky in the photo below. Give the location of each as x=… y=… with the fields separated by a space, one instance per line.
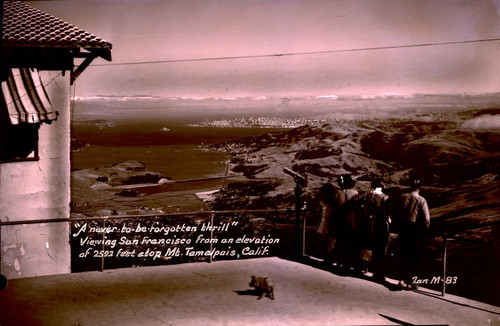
x=148 y=31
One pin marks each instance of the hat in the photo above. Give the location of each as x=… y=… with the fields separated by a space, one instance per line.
x=415 y=183
x=345 y=181
x=326 y=190
x=377 y=183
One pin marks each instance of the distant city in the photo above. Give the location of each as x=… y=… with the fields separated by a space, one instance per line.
x=260 y=122
x=269 y=112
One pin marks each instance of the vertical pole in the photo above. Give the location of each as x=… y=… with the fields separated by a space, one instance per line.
x=224 y=182
x=211 y=234
x=298 y=224
x=103 y=241
x=443 y=291
x=304 y=233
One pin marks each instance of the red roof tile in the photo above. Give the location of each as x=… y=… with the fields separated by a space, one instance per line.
x=25 y=26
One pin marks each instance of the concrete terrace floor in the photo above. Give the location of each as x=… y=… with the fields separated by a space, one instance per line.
x=218 y=294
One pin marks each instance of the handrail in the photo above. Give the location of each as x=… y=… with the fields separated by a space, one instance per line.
x=443 y=290
x=141 y=216
x=211 y=213
x=443 y=235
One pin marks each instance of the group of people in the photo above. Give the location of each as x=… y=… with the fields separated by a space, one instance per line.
x=355 y=225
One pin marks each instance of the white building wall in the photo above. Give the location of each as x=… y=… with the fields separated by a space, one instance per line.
x=39 y=190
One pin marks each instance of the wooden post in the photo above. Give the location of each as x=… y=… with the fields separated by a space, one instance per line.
x=211 y=234
x=304 y=232
x=443 y=291
x=103 y=243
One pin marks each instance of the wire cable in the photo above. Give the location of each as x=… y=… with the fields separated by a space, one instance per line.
x=296 y=53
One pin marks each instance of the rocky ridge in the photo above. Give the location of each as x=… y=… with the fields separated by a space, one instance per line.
x=455 y=162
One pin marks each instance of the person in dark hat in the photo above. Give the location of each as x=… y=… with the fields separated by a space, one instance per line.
x=332 y=225
x=344 y=232
x=414 y=219
x=345 y=182
x=379 y=217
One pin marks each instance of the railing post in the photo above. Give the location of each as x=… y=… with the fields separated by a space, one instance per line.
x=211 y=235
x=304 y=232
x=298 y=224
x=300 y=181
x=103 y=242
x=443 y=291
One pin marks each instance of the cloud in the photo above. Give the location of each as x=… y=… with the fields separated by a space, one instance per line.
x=483 y=122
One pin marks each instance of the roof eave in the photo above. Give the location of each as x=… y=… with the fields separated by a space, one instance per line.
x=41 y=58
x=47 y=58
x=101 y=52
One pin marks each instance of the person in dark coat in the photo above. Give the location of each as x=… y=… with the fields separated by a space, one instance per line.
x=414 y=220
x=326 y=225
x=333 y=222
x=377 y=209
x=345 y=231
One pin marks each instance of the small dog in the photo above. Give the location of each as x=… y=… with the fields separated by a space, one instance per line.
x=263 y=286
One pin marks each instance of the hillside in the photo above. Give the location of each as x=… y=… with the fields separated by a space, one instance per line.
x=458 y=164
x=457 y=155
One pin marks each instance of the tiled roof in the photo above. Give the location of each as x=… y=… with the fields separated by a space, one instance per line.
x=25 y=26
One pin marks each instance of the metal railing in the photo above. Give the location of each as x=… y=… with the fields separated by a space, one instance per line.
x=282 y=224
x=435 y=257
x=106 y=230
